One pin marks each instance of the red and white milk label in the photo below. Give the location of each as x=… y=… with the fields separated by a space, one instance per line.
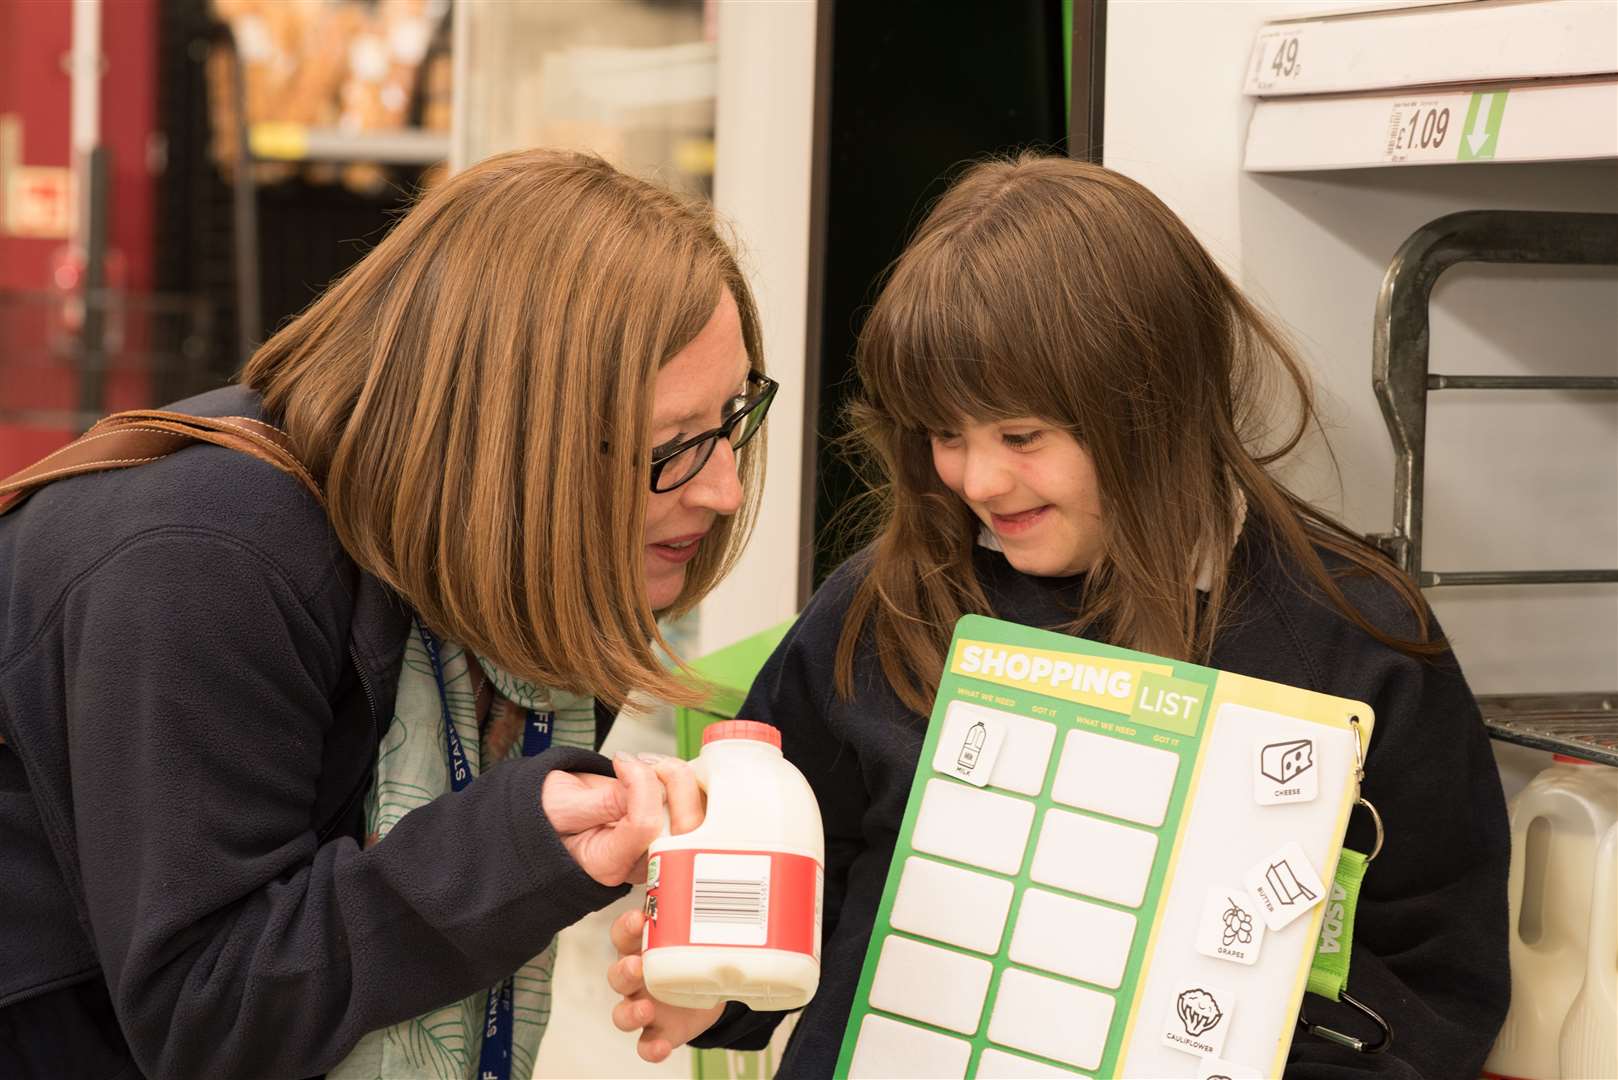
x=752 y=899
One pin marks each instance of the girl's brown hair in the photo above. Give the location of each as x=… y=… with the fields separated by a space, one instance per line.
x=475 y=397
x=1043 y=286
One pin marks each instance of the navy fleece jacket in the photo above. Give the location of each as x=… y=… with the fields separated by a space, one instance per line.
x=193 y=681
x=1430 y=945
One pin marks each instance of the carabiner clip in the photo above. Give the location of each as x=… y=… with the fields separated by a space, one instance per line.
x=1359 y=755
x=1354 y=1043
x=1361 y=800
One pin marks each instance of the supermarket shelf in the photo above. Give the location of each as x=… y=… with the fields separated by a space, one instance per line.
x=1580 y=725
x=1435 y=579
x=1522 y=382
x=1483 y=41
x=1545 y=120
x=295 y=142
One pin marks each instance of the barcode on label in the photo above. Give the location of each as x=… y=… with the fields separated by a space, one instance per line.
x=730 y=899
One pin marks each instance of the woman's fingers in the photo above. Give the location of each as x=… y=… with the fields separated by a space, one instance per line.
x=606 y=823
x=613 y=852
x=686 y=804
x=643 y=811
x=576 y=802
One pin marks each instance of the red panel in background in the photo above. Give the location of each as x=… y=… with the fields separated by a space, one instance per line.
x=35 y=37
x=128 y=121
x=34 y=88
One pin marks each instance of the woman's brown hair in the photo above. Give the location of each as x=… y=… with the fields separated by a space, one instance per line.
x=475 y=398
x=1043 y=286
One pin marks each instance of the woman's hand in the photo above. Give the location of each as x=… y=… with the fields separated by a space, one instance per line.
x=606 y=823
x=662 y=1027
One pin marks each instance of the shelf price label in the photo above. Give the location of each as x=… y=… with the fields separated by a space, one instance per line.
x=1445 y=127
x=1277 y=59
x=1423 y=129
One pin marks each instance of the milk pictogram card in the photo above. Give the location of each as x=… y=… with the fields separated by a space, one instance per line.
x=971 y=743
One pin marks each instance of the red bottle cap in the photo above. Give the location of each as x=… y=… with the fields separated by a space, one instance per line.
x=742 y=729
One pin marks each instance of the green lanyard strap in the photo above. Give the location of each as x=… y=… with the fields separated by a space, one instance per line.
x=1328 y=975
x=1329 y=972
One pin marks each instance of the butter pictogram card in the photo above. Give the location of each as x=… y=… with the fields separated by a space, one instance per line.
x=1285 y=886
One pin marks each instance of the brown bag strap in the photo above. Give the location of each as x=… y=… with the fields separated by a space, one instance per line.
x=133 y=438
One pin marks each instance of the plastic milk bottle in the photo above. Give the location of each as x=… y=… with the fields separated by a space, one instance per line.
x=1589 y=1049
x=1557 y=822
x=733 y=907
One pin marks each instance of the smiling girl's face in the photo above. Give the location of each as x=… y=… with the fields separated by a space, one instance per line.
x=1032 y=484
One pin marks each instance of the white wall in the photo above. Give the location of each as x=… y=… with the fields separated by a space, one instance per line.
x=761 y=186
x=1514 y=481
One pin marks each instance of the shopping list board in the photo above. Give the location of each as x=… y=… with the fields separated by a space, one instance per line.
x=1111 y=864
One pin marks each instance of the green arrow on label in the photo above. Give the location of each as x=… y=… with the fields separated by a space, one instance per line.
x=1480 y=138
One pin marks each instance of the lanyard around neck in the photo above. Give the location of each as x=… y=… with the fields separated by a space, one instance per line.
x=494 y=1061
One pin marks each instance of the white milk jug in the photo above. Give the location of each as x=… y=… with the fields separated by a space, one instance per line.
x=1557 y=821
x=1589 y=1047
x=734 y=906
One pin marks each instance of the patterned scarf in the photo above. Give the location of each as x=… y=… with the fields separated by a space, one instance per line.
x=412 y=770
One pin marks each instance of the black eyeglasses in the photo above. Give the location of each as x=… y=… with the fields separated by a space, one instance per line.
x=744 y=415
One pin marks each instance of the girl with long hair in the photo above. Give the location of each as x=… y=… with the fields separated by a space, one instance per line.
x=1071 y=414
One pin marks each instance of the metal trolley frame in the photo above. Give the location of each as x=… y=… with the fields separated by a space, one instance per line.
x=1582 y=724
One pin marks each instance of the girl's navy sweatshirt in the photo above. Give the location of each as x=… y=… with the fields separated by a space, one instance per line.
x=1429 y=950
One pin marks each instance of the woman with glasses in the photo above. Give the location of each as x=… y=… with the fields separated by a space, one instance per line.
x=301 y=778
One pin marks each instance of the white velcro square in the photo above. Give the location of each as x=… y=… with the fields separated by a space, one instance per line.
x=971 y=826
x=949 y=904
x=1071 y=937
x=1114 y=777
x=924 y=982
x=1053 y=1019
x=1097 y=858
x=999 y=1065
x=889 y=1050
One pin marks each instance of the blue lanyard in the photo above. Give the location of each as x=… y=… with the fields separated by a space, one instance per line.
x=494 y=1062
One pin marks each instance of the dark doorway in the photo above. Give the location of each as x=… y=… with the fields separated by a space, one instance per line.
x=909 y=92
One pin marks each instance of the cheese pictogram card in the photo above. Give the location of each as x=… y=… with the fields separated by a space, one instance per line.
x=1111 y=864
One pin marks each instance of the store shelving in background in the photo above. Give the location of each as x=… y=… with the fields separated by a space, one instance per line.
x=1452 y=83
